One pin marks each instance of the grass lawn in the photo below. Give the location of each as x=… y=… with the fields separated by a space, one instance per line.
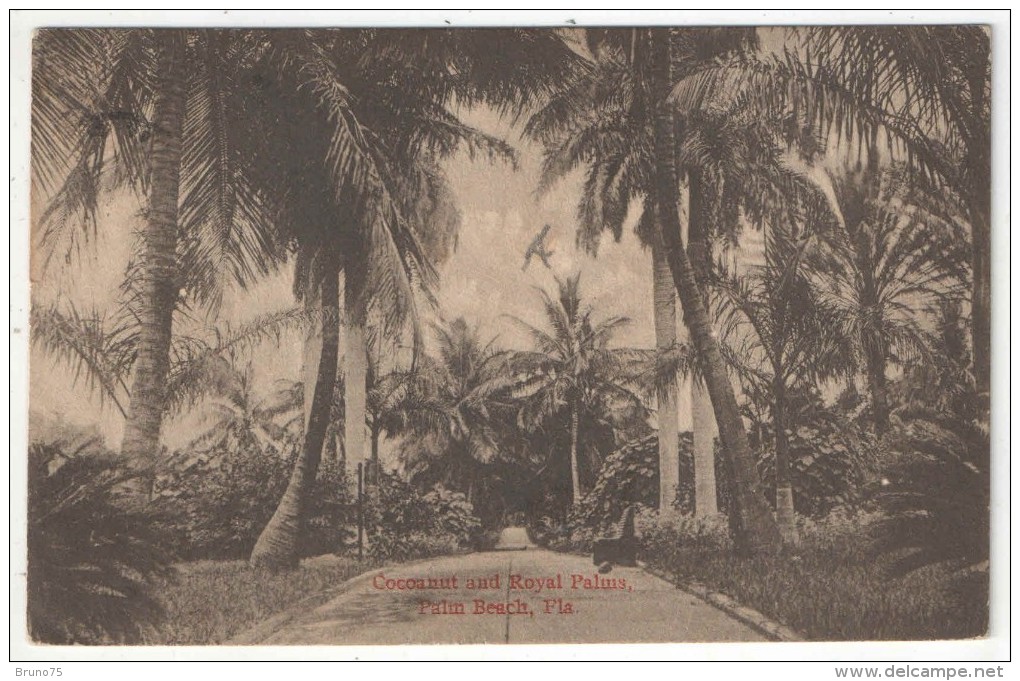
x=827 y=593
x=209 y=602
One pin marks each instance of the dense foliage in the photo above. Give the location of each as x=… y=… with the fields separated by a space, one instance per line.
x=216 y=503
x=328 y=148
x=91 y=555
x=403 y=524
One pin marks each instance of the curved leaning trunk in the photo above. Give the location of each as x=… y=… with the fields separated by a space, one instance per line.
x=753 y=527
x=157 y=263
x=311 y=353
x=575 y=472
x=277 y=546
x=664 y=296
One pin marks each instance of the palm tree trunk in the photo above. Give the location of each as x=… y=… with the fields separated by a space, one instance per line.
x=157 y=262
x=575 y=472
x=754 y=528
x=702 y=423
x=312 y=351
x=705 y=498
x=355 y=375
x=374 y=468
x=277 y=546
x=878 y=387
x=664 y=296
x=785 y=516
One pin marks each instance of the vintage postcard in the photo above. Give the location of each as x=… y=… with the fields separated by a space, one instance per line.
x=353 y=334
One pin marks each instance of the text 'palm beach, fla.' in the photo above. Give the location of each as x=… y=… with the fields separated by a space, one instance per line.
x=531 y=585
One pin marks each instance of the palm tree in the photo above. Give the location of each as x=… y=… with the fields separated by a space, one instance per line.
x=446 y=410
x=572 y=369
x=276 y=546
x=601 y=118
x=887 y=263
x=781 y=337
x=234 y=418
x=149 y=109
x=927 y=89
x=374 y=117
x=753 y=527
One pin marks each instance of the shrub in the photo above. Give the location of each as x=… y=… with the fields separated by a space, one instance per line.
x=664 y=535
x=630 y=475
x=91 y=555
x=937 y=495
x=403 y=524
x=832 y=461
x=215 y=505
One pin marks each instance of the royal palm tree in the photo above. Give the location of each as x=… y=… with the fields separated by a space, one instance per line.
x=573 y=369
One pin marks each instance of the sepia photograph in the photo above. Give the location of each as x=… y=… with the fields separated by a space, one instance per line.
x=424 y=335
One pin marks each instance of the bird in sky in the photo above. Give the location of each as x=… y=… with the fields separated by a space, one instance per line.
x=539 y=248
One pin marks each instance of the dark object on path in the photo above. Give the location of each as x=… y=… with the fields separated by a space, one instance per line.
x=620 y=547
x=605 y=567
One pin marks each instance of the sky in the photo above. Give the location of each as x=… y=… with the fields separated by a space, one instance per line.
x=482 y=281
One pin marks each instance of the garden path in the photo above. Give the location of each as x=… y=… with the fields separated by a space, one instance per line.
x=514 y=596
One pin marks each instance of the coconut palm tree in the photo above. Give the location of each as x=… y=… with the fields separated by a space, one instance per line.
x=572 y=369
x=234 y=418
x=447 y=409
x=601 y=119
x=752 y=525
x=150 y=110
x=380 y=209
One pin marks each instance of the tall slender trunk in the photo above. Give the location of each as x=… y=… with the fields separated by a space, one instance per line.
x=157 y=263
x=277 y=546
x=785 y=517
x=664 y=296
x=754 y=528
x=355 y=375
x=374 y=469
x=878 y=387
x=702 y=423
x=575 y=472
